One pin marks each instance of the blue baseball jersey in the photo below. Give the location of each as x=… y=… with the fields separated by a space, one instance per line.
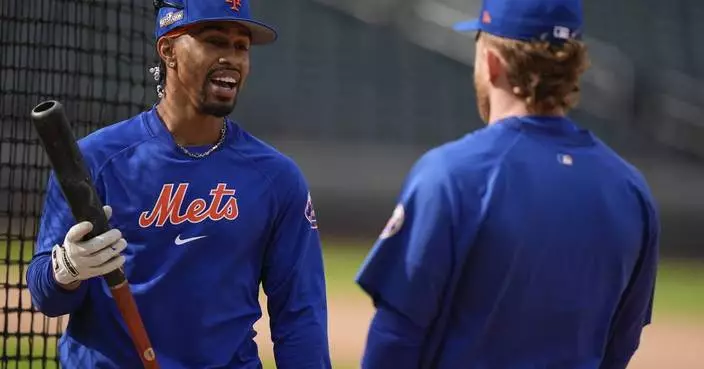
x=203 y=235
x=526 y=244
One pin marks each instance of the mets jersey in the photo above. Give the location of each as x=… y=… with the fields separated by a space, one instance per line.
x=528 y=244
x=202 y=235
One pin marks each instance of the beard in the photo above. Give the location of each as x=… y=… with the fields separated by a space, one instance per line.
x=483 y=104
x=219 y=109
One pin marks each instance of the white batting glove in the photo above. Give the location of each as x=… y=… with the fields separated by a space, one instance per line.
x=78 y=260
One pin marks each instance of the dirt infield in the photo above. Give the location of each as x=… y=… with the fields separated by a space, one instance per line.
x=667 y=344
x=671 y=344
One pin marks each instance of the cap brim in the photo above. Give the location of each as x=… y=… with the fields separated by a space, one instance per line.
x=467 y=26
x=261 y=33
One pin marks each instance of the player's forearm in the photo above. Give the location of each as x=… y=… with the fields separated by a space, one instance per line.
x=297 y=305
x=615 y=363
x=300 y=339
x=620 y=350
x=47 y=296
x=303 y=356
x=393 y=342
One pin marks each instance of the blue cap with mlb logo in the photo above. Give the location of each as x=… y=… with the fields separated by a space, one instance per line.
x=528 y=20
x=175 y=14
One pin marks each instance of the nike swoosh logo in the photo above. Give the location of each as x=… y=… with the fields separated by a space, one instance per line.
x=182 y=241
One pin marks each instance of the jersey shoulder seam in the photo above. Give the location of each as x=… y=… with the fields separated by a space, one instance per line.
x=510 y=147
x=112 y=157
x=498 y=166
x=267 y=177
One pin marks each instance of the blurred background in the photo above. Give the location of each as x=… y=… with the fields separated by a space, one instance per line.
x=355 y=92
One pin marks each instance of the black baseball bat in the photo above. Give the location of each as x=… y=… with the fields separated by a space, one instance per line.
x=61 y=147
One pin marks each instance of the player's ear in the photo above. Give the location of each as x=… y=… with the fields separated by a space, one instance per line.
x=165 y=48
x=494 y=65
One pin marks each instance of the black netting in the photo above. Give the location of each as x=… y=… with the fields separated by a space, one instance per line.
x=92 y=56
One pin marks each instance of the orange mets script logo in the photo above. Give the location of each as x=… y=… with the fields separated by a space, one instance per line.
x=234 y=4
x=169 y=207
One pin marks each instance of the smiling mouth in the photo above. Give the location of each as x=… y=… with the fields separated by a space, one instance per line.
x=224 y=82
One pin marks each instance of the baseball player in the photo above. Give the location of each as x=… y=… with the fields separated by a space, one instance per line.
x=203 y=212
x=528 y=244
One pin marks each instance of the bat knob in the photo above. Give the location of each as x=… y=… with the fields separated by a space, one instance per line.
x=46 y=108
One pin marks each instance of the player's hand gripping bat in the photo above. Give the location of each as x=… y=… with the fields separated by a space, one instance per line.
x=60 y=145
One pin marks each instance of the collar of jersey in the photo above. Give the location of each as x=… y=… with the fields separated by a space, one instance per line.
x=559 y=128
x=158 y=129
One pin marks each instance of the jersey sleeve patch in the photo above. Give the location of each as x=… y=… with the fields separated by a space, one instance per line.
x=310 y=213
x=395 y=222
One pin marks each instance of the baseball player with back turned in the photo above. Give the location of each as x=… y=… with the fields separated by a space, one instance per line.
x=528 y=244
x=203 y=212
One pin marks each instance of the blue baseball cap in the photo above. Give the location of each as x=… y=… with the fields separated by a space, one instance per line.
x=528 y=20
x=175 y=14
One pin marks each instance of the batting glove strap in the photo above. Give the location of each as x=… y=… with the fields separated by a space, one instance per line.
x=65 y=271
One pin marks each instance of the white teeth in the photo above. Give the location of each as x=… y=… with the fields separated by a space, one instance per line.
x=225 y=79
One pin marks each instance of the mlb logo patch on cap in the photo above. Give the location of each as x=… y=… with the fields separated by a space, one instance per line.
x=562 y=33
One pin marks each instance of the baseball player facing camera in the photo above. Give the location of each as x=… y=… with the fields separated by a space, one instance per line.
x=203 y=214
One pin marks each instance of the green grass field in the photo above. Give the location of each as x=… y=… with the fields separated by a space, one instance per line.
x=680 y=292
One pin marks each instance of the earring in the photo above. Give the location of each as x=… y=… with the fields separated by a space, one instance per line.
x=156 y=72
x=171 y=64
x=222 y=60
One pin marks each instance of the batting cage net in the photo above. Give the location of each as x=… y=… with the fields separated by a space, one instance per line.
x=93 y=56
